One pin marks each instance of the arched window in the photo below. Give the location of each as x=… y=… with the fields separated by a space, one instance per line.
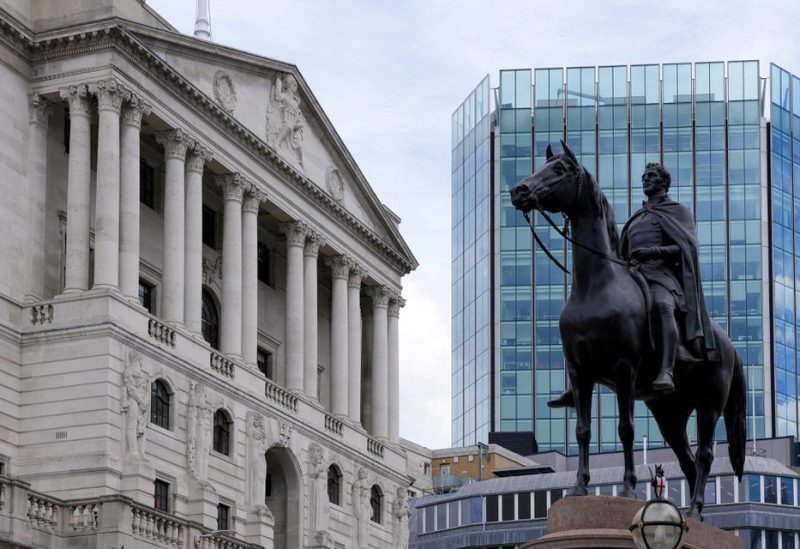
x=210 y=320
x=159 y=404
x=222 y=432
x=376 y=501
x=334 y=484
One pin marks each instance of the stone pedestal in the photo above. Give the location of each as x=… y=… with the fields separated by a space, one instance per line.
x=260 y=528
x=137 y=480
x=201 y=506
x=603 y=521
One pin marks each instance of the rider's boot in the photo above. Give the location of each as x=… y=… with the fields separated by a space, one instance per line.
x=669 y=350
x=566 y=400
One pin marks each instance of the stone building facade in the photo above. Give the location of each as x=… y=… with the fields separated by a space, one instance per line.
x=199 y=297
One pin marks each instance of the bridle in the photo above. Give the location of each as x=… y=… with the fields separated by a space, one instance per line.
x=565 y=231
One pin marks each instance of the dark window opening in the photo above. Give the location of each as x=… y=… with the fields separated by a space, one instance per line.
x=209 y=227
x=161 y=495
x=264 y=362
x=67 y=126
x=376 y=502
x=334 y=484
x=264 y=264
x=147 y=184
x=209 y=322
x=223 y=516
x=222 y=433
x=268 y=487
x=159 y=404
x=147 y=295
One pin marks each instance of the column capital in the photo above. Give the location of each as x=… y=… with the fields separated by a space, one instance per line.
x=366 y=307
x=232 y=186
x=110 y=94
x=314 y=242
x=196 y=158
x=40 y=110
x=133 y=112
x=253 y=197
x=357 y=274
x=295 y=233
x=395 y=304
x=77 y=97
x=175 y=142
x=380 y=296
x=340 y=265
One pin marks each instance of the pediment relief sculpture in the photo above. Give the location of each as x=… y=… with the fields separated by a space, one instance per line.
x=285 y=120
x=335 y=184
x=224 y=91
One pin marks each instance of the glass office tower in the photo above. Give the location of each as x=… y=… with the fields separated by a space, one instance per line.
x=730 y=138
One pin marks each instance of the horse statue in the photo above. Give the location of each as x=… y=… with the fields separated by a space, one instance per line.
x=605 y=335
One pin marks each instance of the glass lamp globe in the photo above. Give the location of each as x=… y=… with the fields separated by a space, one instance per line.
x=658 y=525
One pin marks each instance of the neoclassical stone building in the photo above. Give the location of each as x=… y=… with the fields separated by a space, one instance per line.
x=199 y=297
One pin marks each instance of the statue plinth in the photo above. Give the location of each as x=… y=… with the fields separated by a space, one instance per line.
x=603 y=521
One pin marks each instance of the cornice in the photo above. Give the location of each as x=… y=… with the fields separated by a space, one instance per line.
x=113 y=33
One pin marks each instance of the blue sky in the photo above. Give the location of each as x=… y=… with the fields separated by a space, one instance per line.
x=390 y=73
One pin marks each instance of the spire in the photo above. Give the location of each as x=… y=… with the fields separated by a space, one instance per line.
x=202 y=25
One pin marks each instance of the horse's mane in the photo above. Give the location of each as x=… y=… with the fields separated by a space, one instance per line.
x=601 y=202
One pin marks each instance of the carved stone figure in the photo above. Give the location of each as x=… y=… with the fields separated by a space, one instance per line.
x=605 y=323
x=335 y=184
x=136 y=389
x=362 y=510
x=400 y=512
x=200 y=431
x=284 y=119
x=318 y=488
x=257 y=445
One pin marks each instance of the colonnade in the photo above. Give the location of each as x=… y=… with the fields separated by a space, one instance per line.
x=116 y=260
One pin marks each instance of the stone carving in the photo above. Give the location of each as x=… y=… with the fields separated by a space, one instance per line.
x=78 y=99
x=175 y=143
x=314 y=242
x=257 y=445
x=335 y=184
x=232 y=186
x=212 y=269
x=318 y=496
x=42 y=313
x=135 y=404
x=400 y=512
x=134 y=110
x=285 y=436
x=380 y=296
x=40 y=110
x=340 y=266
x=197 y=157
x=110 y=95
x=284 y=119
x=199 y=432
x=253 y=197
x=295 y=232
x=224 y=91
x=362 y=510
x=395 y=304
x=357 y=274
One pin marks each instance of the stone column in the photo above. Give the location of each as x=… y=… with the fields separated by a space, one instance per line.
x=231 y=322
x=310 y=319
x=78 y=189
x=193 y=245
x=340 y=270
x=106 y=206
x=354 y=343
x=295 y=232
x=129 y=197
x=394 y=367
x=380 y=362
x=175 y=143
x=253 y=197
x=40 y=110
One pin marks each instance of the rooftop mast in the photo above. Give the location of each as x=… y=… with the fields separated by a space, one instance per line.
x=202 y=25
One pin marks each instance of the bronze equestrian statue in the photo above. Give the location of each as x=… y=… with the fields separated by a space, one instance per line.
x=680 y=362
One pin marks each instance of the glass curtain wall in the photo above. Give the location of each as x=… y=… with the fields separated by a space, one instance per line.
x=471 y=268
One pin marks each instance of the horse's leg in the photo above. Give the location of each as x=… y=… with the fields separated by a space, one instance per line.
x=582 y=391
x=706 y=422
x=672 y=420
x=625 y=402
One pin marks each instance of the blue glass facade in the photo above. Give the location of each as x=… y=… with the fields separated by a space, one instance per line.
x=731 y=141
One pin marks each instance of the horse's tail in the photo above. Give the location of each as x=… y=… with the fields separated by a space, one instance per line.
x=735 y=418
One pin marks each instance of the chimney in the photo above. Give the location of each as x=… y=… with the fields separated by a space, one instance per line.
x=202 y=25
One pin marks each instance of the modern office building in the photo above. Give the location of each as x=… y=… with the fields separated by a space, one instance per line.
x=730 y=135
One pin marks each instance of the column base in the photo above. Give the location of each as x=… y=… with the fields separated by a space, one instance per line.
x=260 y=528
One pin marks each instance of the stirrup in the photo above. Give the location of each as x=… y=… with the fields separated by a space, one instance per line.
x=566 y=400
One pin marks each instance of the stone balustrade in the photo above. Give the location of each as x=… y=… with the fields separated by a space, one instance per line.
x=222 y=365
x=43 y=511
x=333 y=425
x=3 y=495
x=280 y=396
x=84 y=517
x=156 y=527
x=375 y=448
x=161 y=332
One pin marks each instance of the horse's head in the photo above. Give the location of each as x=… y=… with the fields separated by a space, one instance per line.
x=553 y=187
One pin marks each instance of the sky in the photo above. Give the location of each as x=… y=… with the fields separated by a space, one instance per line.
x=389 y=74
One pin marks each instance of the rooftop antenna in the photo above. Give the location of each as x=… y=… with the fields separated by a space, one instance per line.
x=202 y=24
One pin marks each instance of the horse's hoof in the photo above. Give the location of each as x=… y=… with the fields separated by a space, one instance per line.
x=627 y=494
x=576 y=491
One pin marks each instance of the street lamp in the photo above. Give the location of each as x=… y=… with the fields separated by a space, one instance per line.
x=659 y=524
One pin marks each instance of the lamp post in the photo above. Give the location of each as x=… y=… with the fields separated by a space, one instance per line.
x=659 y=524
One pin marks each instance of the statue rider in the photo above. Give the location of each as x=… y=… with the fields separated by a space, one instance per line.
x=660 y=243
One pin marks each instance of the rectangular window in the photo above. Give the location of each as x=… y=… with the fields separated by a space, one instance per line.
x=264 y=264
x=492 y=514
x=508 y=506
x=209 y=227
x=161 y=495
x=264 y=362
x=147 y=184
x=147 y=295
x=223 y=516
x=524 y=504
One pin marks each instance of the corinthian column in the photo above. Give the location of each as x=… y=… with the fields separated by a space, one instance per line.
x=78 y=189
x=295 y=232
x=340 y=270
x=253 y=197
x=231 y=326
x=310 y=320
x=394 y=367
x=354 y=343
x=106 y=209
x=129 y=197
x=175 y=143
x=380 y=362
x=193 y=245
x=40 y=111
